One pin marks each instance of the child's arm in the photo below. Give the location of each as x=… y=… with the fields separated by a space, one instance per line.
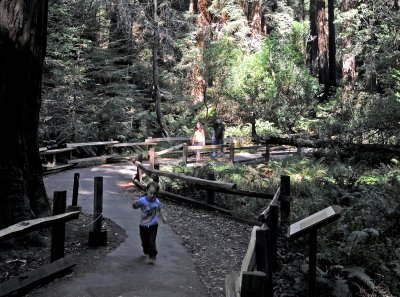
x=162 y=215
x=137 y=204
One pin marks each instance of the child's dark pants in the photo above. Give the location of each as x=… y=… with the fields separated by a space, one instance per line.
x=148 y=236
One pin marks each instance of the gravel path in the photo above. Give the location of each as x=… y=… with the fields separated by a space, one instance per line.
x=218 y=244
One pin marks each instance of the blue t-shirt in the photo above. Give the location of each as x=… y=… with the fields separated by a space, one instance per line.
x=149 y=210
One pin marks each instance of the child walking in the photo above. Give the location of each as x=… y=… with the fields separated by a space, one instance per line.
x=151 y=208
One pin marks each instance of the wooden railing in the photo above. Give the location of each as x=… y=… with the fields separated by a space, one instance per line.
x=59 y=263
x=255 y=278
x=183 y=148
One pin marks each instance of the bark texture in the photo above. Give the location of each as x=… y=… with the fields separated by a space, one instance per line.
x=349 y=60
x=23 y=30
x=322 y=45
x=312 y=42
x=332 y=43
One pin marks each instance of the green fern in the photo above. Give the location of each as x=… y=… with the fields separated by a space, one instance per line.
x=340 y=287
x=358 y=273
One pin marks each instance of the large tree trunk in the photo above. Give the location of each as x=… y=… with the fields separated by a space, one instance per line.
x=349 y=61
x=312 y=42
x=199 y=83
x=322 y=46
x=332 y=43
x=257 y=17
x=23 y=30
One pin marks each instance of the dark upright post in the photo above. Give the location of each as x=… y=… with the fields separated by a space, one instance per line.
x=184 y=154
x=156 y=178
x=285 y=199
x=98 y=236
x=58 y=229
x=312 y=264
x=232 y=151
x=267 y=152
x=74 y=205
x=273 y=231
x=263 y=258
x=253 y=284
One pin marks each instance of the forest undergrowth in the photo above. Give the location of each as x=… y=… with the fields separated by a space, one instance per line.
x=359 y=254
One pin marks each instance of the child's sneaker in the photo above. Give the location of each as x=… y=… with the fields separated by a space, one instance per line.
x=152 y=260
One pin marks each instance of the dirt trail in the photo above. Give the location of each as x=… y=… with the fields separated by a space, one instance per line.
x=123 y=272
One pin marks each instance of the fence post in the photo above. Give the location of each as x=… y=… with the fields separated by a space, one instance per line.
x=74 y=205
x=273 y=223
x=58 y=229
x=98 y=236
x=253 y=284
x=151 y=156
x=184 y=154
x=285 y=199
x=210 y=193
x=299 y=152
x=156 y=178
x=267 y=152
x=232 y=152
x=110 y=149
x=312 y=264
x=263 y=258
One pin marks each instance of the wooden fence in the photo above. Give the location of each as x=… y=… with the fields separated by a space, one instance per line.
x=150 y=144
x=59 y=263
x=255 y=278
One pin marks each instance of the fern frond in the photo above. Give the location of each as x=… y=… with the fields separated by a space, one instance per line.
x=340 y=287
x=359 y=274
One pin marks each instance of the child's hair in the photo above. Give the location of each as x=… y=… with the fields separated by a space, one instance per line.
x=155 y=185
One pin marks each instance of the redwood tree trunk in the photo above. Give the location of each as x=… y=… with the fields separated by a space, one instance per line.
x=312 y=42
x=349 y=60
x=23 y=30
x=199 y=83
x=332 y=43
x=322 y=46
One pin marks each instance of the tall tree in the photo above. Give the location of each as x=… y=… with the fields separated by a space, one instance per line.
x=199 y=81
x=349 y=60
x=156 y=74
x=332 y=43
x=323 y=69
x=23 y=34
x=312 y=42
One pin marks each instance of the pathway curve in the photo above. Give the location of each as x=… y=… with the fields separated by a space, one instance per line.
x=123 y=272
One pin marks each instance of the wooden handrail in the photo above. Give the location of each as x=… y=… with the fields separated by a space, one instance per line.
x=125 y=144
x=264 y=215
x=57 y=151
x=81 y=144
x=189 y=179
x=167 y=139
x=206 y=147
x=169 y=150
x=28 y=226
x=249 y=260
